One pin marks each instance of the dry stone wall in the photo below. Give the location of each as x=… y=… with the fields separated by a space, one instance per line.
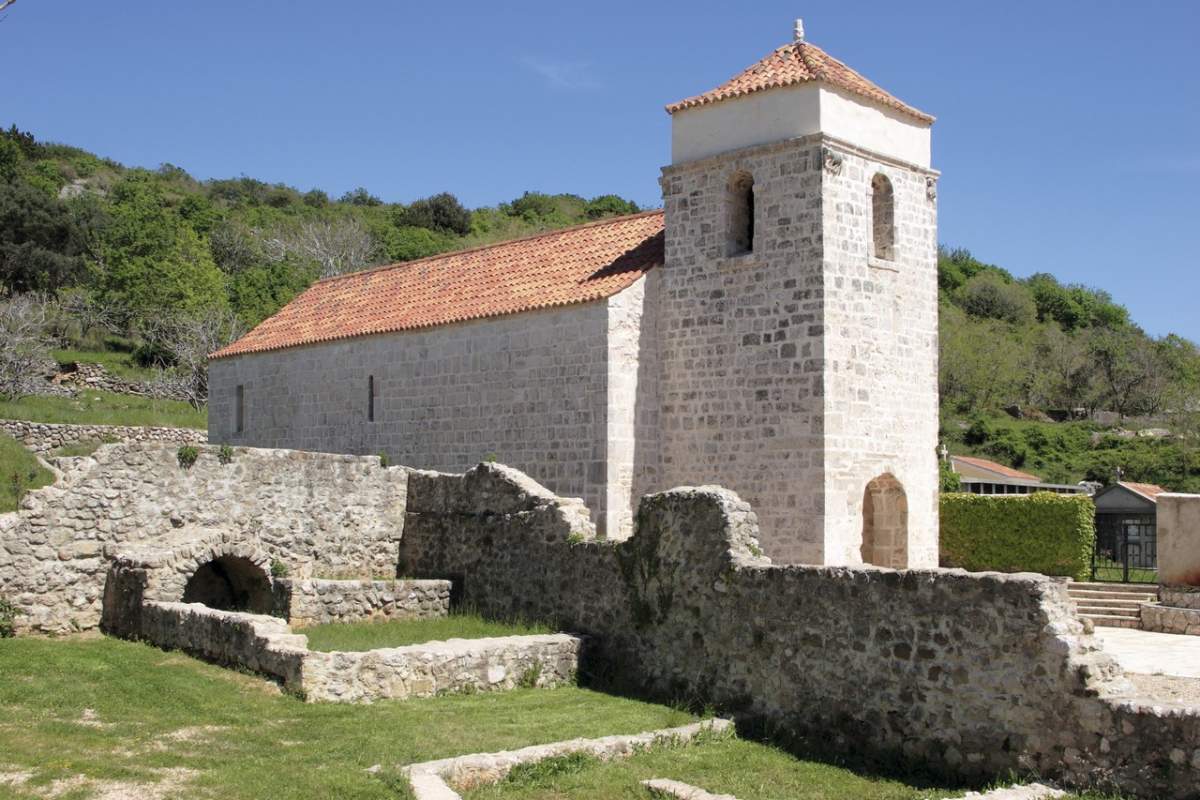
x=267 y=645
x=1166 y=619
x=972 y=673
x=309 y=511
x=317 y=602
x=43 y=437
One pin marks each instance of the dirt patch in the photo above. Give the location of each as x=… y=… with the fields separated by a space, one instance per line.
x=169 y=784
x=1167 y=688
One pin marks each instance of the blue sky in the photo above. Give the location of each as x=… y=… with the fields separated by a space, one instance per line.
x=1068 y=133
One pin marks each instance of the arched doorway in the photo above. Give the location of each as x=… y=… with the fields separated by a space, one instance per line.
x=885 y=523
x=230 y=583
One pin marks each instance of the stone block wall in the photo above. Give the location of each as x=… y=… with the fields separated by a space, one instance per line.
x=533 y=390
x=1166 y=619
x=975 y=674
x=316 y=602
x=42 y=437
x=881 y=353
x=307 y=510
x=740 y=337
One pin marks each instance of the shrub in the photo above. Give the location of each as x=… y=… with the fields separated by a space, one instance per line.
x=8 y=616
x=383 y=460
x=278 y=569
x=1048 y=533
x=187 y=455
x=225 y=454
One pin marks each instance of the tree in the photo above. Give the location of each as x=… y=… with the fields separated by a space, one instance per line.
x=1064 y=374
x=337 y=245
x=360 y=197
x=191 y=338
x=609 y=205
x=989 y=295
x=983 y=364
x=442 y=212
x=41 y=243
x=24 y=343
x=153 y=263
x=1131 y=368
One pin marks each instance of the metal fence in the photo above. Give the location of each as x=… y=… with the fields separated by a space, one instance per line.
x=1126 y=548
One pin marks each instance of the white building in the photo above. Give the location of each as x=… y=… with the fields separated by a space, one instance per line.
x=773 y=329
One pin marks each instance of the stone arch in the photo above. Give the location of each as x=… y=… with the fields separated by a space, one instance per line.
x=230 y=583
x=739 y=238
x=885 y=523
x=883 y=217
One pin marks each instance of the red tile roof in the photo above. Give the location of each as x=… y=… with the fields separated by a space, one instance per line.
x=1149 y=491
x=557 y=268
x=796 y=63
x=1000 y=469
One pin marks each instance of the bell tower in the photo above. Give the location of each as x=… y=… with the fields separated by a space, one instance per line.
x=797 y=311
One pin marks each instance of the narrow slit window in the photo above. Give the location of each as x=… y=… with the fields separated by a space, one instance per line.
x=370 y=398
x=239 y=409
x=883 y=218
x=740 y=201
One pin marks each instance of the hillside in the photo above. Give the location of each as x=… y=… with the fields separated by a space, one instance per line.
x=154 y=268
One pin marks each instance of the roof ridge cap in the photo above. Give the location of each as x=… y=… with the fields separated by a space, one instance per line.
x=464 y=251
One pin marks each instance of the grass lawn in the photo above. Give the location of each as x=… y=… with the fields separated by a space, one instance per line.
x=19 y=472
x=104 y=408
x=121 y=713
x=116 y=363
x=398 y=633
x=747 y=770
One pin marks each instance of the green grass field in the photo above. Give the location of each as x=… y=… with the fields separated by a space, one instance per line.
x=398 y=633
x=104 y=408
x=19 y=472
x=1136 y=575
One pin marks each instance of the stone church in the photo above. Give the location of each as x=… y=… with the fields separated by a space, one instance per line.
x=773 y=329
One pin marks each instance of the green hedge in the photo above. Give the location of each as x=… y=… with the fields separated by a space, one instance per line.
x=1044 y=532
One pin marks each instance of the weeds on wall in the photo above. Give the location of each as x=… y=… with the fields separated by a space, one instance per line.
x=278 y=569
x=225 y=454
x=187 y=455
x=8 y=618
x=383 y=460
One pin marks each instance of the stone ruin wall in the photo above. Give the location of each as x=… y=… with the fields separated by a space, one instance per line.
x=318 y=602
x=976 y=674
x=318 y=514
x=43 y=437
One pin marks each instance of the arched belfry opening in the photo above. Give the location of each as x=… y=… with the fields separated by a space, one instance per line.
x=885 y=523
x=883 y=218
x=230 y=583
x=740 y=214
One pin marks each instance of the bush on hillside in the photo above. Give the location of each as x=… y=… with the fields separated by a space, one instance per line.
x=1048 y=533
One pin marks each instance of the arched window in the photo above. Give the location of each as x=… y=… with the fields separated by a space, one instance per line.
x=885 y=523
x=740 y=203
x=883 y=217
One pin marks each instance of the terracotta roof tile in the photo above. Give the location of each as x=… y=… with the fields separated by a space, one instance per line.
x=793 y=64
x=1000 y=469
x=557 y=268
x=1149 y=491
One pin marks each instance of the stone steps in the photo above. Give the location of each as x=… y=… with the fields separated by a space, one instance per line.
x=1112 y=605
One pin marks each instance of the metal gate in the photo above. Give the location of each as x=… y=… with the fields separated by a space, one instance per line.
x=1126 y=548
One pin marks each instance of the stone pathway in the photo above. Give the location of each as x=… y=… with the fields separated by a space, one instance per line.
x=674 y=790
x=1152 y=653
x=431 y=780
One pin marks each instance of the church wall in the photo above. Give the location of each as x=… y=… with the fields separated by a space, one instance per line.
x=531 y=390
x=741 y=342
x=881 y=394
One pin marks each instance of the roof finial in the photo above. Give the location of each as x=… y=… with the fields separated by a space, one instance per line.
x=798 y=31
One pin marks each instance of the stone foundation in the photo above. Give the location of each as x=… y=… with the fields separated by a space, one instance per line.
x=316 y=602
x=266 y=645
x=1166 y=619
